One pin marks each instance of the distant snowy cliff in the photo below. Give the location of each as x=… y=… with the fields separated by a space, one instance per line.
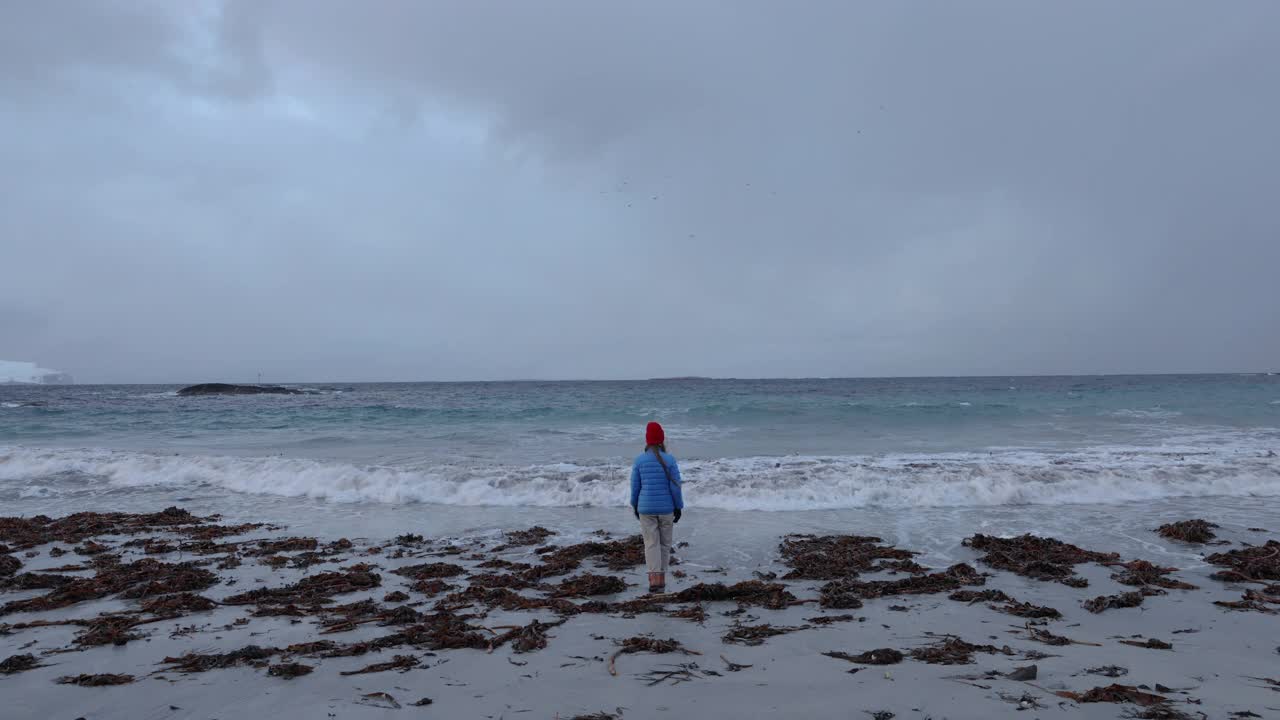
x=27 y=373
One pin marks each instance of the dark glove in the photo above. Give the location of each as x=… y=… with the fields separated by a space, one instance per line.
x=636 y=510
x=676 y=519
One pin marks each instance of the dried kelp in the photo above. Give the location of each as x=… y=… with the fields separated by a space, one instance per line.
x=1037 y=557
x=442 y=631
x=501 y=564
x=849 y=592
x=99 y=680
x=524 y=538
x=1115 y=694
x=528 y=638
x=835 y=556
x=972 y=596
x=588 y=584
x=897 y=566
x=1141 y=573
x=1149 y=643
x=750 y=592
x=757 y=634
x=18 y=663
x=1190 y=531
x=24 y=533
x=292 y=544
x=1255 y=600
x=881 y=656
x=648 y=604
x=1251 y=564
x=499 y=580
x=141 y=579
x=696 y=613
x=1046 y=637
x=431 y=570
x=505 y=599
x=38 y=581
x=1122 y=600
x=614 y=554
x=829 y=619
x=402 y=663
x=951 y=650
x=641 y=644
x=313 y=590
x=288 y=671
x=109 y=630
x=430 y=587
x=251 y=655
x=1027 y=610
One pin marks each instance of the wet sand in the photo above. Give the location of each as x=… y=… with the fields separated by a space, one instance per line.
x=474 y=659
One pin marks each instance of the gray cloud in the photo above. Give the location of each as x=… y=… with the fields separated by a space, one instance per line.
x=326 y=190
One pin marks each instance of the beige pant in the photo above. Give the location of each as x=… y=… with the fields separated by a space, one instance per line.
x=656 y=530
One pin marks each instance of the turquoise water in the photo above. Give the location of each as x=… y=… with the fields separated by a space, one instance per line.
x=746 y=444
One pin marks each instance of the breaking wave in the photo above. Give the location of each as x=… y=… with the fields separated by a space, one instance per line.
x=1000 y=478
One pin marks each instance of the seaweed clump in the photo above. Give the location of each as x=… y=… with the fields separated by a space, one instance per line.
x=1256 y=600
x=289 y=671
x=1122 y=600
x=529 y=638
x=850 y=592
x=403 y=663
x=882 y=656
x=429 y=571
x=438 y=631
x=1115 y=693
x=18 y=663
x=313 y=590
x=1027 y=610
x=251 y=655
x=99 y=680
x=835 y=556
x=773 y=596
x=757 y=634
x=26 y=533
x=535 y=535
x=1251 y=564
x=588 y=584
x=1036 y=557
x=142 y=579
x=1188 y=531
x=616 y=555
x=952 y=650
x=1141 y=573
x=973 y=596
x=640 y=644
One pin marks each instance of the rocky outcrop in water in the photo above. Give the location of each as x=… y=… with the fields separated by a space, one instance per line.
x=228 y=389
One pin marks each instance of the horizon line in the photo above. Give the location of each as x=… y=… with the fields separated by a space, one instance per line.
x=687 y=378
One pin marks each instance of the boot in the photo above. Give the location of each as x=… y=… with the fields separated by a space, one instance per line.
x=657 y=582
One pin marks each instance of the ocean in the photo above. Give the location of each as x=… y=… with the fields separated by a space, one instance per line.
x=909 y=457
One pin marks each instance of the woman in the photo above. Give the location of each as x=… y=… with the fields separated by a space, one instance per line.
x=657 y=502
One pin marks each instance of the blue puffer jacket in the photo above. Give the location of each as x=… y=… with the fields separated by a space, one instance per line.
x=651 y=494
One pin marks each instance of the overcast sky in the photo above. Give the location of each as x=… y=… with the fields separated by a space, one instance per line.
x=335 y=190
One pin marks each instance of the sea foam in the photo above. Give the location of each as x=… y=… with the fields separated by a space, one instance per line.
x=998 y=478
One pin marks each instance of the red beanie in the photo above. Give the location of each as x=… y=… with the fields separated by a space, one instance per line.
x=653 y=434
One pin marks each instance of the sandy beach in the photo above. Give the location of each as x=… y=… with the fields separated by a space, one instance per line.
x=197 y=619
x=348 y=348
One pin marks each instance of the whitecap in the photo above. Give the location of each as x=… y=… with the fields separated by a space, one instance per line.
x=1202 y=467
